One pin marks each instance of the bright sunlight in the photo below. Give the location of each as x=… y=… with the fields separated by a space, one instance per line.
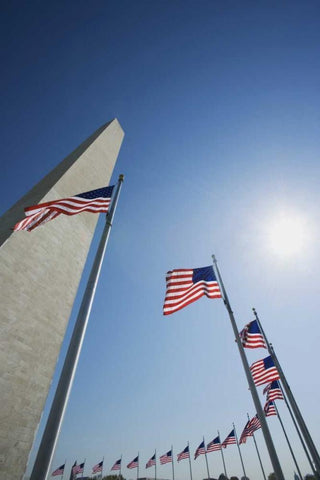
x=288 y=234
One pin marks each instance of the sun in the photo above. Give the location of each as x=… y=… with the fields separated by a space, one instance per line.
x=287 y=234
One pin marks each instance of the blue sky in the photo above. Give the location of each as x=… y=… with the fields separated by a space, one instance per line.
x=219 y=102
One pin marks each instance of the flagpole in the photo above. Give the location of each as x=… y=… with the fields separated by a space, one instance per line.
x=49 y=439
x=63 y=469
x=255 y=443
x=305 y=432
x=120 y=464
x=235 y=433
x=172 y=462
x=101 y=468
x=155 y=465
x=288 y=442
x=190 y=462
x=138 y=466
x=221 y=450
x=205 y=454
x=264 y=426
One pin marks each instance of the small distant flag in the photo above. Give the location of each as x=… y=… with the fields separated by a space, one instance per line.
x=251 y=426
x=270 y=409
x=273 y=391
x=185 y=286
x=134 y=463
x=251 y=336
x=214 y=445
x=58 y=471
x=117 y=465
x=264 y=371
x=98 y=468
x=166 y=458
x=184 y=454
x=78 y=469
x=151 y=462
x=201 y=450
x=230 y=440
x=94 y=201
x=71 y=472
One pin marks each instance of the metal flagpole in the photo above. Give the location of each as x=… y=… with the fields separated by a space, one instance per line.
x=138 y=466
x=288 y=442
x=120 y=465
x=297 y=430
x=269 y=443
x=190 y=462
x=49 y=439
x=101 y=468
x=205 y=454
x=172 y=462
x=64 y=469
x=155 y=465
x=255 y=443
x=304 y=430
x=235 y=433
x=221 y=450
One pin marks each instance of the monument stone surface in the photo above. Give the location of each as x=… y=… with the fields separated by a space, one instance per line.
x=40 y=274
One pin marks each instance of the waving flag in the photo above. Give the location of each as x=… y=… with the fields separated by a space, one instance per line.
x=201 y=450
x=117 y=465
x=185 y=286
x=98 y=468
x=230 y=440
x=151 y=462
x=264 y=371
x=251 y=336
x=184 y=454
x=251 y=426
x=273 y=391
x=78 y=469
x=93 y=201
x=166 y=458
x=58 y=471
x=134 y=463
x=270 y=409
x=214 y=445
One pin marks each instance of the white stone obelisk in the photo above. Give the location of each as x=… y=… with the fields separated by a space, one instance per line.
x=40 y=274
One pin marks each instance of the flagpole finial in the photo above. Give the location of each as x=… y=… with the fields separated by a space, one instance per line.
x=121 y=177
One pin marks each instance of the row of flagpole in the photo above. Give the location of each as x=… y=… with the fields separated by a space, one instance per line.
x=176 y=298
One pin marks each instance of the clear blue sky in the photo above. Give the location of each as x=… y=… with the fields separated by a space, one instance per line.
x=219 y=101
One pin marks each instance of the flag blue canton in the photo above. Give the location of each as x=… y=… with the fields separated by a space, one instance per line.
x=105 y=192
x=204 y=273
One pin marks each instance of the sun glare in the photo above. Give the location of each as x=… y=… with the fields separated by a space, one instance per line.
x=287 y=234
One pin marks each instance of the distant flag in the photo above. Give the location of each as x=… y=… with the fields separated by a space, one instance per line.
x=117 y=465
x=251 y=426
x=98 y=468
x=78 y=469
x=251 y=336
x=134 y=463
x=58 y=471
x=273 y=391
x=264 y=371
x=71 y=473
x=201 y=450
x=94 y=201
x=270 y=409
x=185 y=286
x=230 y=440
x=214 y=445
x=184 y=454
x=151 y=462
x=166 y=458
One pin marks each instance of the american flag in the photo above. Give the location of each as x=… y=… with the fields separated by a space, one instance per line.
x=151 y=462
x=270 y=409
x=134 y=463
x=184 y=454
x=94 y=201
x=264 y=371
x=230 y=440
x=251 y=426
x=273 y=391
x=214 y=445
x=117 y=465
x=98 y=468
x=78 y=469
x=166 y=458
x=251 y=336
x=201 y=450
x=58 y=471
x=185 y=286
